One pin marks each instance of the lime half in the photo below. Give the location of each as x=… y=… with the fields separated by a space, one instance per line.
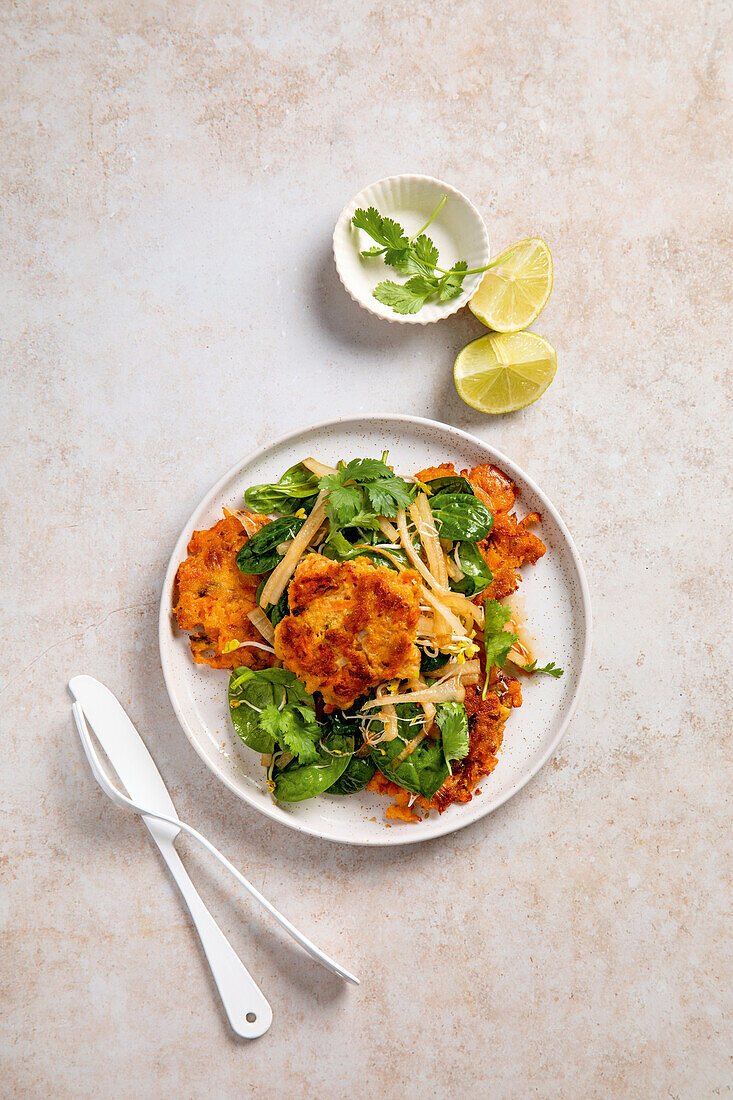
x=512 y=294
x=504 y=371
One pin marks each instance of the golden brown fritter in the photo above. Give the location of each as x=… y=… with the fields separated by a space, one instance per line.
x=213 y=598
x=351 y=626
x=486 y=720
x=495 y=489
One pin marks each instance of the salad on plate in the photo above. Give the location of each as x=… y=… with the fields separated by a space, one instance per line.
x=358 y=612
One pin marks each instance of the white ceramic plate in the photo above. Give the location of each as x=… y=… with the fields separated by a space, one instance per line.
x=553 y=599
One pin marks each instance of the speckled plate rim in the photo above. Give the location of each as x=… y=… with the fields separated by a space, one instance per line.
x=479 y=808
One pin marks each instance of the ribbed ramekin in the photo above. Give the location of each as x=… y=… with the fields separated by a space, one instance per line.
x=458 y=231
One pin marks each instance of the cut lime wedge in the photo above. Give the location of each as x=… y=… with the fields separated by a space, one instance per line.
x=512 y=294
x=504 y=371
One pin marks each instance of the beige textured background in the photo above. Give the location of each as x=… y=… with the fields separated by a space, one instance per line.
x=170 y=177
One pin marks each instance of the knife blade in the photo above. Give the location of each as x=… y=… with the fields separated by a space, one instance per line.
x=124 y=746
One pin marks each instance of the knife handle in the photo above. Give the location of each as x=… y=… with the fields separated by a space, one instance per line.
x=249 y=1013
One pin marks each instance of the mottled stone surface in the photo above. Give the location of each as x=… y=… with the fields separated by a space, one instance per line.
x=170 y=176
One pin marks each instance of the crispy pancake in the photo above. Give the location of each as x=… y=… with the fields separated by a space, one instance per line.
x=213 y=598
x=351 y=626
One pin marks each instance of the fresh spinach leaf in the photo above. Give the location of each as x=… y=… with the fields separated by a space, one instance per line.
x=338 y=548
x=476 y=573
x=450 y=483
x=259 y=554
x=359 y=771
x=452 y=721
x=296 y=782
x=459 y=516
x=425 y=769
x=296 y=489
x=251 y=693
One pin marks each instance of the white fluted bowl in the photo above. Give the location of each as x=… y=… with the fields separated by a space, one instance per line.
x=458 y=232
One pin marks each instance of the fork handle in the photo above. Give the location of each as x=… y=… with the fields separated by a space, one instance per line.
x=244 y=1003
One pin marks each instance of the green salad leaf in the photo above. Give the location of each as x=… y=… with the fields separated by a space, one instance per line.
x=251 y=694
x=452 y=721
x=476 y=573
x=497 y=641
x=296 y=489
x=296 y=782
x=460 y=516
x=425 y=769
x=259 y=554
x=294 y=728
x=355 y=777
x=450 y=483
x=361 y=491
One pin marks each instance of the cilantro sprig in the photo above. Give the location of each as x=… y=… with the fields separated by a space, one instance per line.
x=550 y=669
x=416 y=257
x=497 y=641
x=361 y=491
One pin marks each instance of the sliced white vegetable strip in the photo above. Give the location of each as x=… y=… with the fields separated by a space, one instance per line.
x=250 y=524
x=428 y=537
x=413 y=554
x=258 y=618
x=440 y=569
x=452 y=668
x=282 y=573
x=461 y=603
x=389 y=529
x=422 y=517
x=318 y=468
x=455 y=624
x=449 y=691
x=389 y=719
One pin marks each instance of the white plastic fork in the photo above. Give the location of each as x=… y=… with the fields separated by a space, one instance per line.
x=122 y=800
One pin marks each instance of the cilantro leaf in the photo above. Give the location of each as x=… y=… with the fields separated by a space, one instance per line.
x=425 y=251
x=384 y=231
x=497 y=641
x=365 y=469
x=343 y=501
x=550 y=669
x=367 y=521
x=294 y=728
x=452 y=721
x=416 y=257
x=452 y=284
x=420 y=259
x=400 y=298
x=388 y=495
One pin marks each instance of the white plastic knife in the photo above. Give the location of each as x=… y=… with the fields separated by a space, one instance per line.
x=246 y=1007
